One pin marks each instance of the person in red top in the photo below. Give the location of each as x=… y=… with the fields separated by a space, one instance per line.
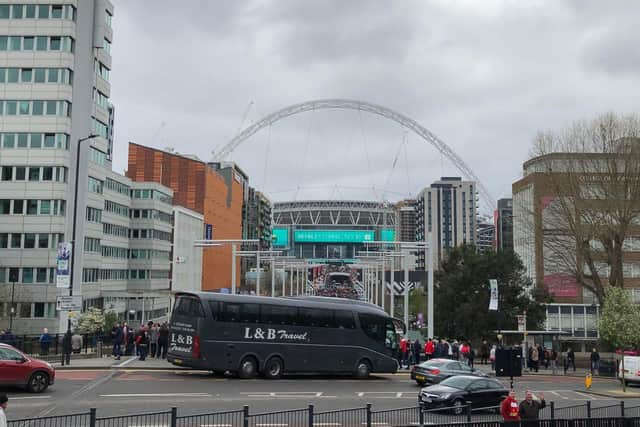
x=428 y=349
x=404 y=347
x=509 y=408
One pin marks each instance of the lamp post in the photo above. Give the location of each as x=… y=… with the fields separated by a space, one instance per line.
x=12 y=310
x=74 y=248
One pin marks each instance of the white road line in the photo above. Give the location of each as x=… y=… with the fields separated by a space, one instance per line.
x=558 y=394
x=157 y=395
x=326 y=424
x=271 y=425
x=125 y=363
x=588 y=396
x=30 y=397
x=216 y=425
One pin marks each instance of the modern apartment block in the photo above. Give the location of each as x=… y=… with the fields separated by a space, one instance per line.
x=214 y=191
x=486 y=231
x=503 y=221
x=448 y=210
x=55 y=61
x=406 y=210
x=256 y=218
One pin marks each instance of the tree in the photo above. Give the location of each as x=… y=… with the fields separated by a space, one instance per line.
x=90 y=321
x=591 y=189
x=620 y=321
x=462 y=294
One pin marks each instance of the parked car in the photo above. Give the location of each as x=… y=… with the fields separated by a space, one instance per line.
x=631 y=370
x=435 y=370
x=16 y=368
x=459 y=391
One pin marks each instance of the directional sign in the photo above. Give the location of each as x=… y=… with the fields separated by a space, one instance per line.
x=69 y=303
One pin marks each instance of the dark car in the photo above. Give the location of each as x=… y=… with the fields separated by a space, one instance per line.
x=16 y=368
x=435 y=370
x=460 y=391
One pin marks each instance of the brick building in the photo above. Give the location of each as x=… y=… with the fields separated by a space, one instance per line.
x=215 y=191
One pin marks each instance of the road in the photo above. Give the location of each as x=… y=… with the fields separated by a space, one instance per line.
x=116 y=392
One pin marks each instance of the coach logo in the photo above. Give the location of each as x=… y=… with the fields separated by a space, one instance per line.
x=273 y=334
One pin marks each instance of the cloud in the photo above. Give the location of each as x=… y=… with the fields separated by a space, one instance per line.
x=483 y=76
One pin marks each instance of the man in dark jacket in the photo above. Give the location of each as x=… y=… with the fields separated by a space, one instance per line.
x=530 y=409
x=66 y=347
x=417 y=348
x=116 y=338
x=163 y=341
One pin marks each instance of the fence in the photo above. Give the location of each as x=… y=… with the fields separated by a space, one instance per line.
x=30 y=344
x=612 y=415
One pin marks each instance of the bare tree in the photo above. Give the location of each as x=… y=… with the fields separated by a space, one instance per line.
x=590 y=174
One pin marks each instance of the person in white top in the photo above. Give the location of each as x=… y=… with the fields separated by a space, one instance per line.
x=3 y=407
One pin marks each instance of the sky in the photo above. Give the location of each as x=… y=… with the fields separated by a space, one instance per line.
x=483 y=76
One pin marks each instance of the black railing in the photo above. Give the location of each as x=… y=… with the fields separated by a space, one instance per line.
x=611 y=415
x=91 y=345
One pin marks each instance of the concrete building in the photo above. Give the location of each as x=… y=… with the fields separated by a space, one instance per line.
x=406 y=227
x=448 y=210
x=486 y=231
x=55 y=61
x=256 y=218
x=187 y=259
x=503 y=221
x=216 y=191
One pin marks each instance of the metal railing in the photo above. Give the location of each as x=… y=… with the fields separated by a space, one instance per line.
x=608 y=415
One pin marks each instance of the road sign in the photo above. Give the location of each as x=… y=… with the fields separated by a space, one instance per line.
x=69 y=303
x=522 y=323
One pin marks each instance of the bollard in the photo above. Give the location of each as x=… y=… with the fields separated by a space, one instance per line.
x=368 y=414
x=245 y=416
x=310 y=411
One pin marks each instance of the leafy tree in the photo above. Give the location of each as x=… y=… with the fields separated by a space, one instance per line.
x=462 y=294
x=90 y=321
x=110 y=318
x=620 y=319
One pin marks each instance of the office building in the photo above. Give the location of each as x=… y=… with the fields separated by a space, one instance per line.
x=406 y=227
x=256 y=218
x=448 y=210
x=503 y=221
x=486 y=231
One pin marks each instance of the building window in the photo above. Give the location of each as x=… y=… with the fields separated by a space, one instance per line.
x=25 y=108
x=95 y=185
x=42 y=43
x=92 y=245
x=94 y=215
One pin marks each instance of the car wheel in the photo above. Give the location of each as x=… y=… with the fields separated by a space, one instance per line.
x=363 y=370
x=273 y=369
x=457 y=407
x=38 y=382
x=248 y=368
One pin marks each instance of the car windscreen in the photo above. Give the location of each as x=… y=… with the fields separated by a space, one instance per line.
x=434 y=364
x=457 y=382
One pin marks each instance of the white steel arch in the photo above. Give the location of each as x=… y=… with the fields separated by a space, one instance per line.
x=351 y=104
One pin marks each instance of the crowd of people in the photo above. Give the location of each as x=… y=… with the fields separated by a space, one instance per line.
x=150 y=340
x=528 y=411
x=410 y=352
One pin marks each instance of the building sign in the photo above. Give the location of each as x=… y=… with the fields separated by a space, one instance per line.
x=63 y=266
x=562 y=285
x=331 y=236
x=208 y=231
x=271 y=334
x=281 y=236
x=388 y=235
x=69 y=303
x=493 y=299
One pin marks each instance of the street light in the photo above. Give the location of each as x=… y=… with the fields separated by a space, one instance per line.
x=74 y=247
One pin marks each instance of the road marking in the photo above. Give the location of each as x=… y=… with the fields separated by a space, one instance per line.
x=30 y=397
x=585 y=395
x=558 y=394
x=157 y=395
x=125 y=363
x=216 y=425
x=326 y=424
x=271 y=425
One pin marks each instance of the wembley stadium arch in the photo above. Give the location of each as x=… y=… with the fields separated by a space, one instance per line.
x=351 y=104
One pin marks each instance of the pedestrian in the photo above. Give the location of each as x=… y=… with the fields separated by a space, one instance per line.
x=76 y=343
x=541 y=360
x=45 y=342
x=417 y=347
x=570 y=360
x=454 y=350
x=530 y=409
x=535 y=357
x=403 y=351
x=142 y=343
x=484 y=352
x=4 y=402
x=429 y=349
x=471 y=355
x=116 y=339
x=509 y=408
x=553 y=358
x=163 y=340
x=153 y=339
x=66 y=347
x=492 y=357
x=595 y=362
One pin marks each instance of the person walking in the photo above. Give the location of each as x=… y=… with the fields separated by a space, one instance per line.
x=570 y=360
x=509 y=408
x=45 y=342
x=471 y=355
x=530 y=409
x=153 y=339
x=4 y=402
x=484 y=352
x=163 y=341
x=429 y=349
x=142 y=343
x=417 y=347
x=66 y=347
x=553 y=359
x=403 y=352
x=595 y=362
x=535 y=357
x=492 y=357
x=76 y=342
x=116 y=338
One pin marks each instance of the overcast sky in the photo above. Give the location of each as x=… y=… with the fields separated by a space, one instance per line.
x=484 y=76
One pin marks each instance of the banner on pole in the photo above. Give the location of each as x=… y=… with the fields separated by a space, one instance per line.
x=493 y=298
x=63 y=265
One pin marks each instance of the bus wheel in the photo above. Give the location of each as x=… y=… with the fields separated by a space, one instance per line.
x=248 y=368
x=273 y=369
x=363 y=370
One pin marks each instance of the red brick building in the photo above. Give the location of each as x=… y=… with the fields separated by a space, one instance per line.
x=204 y=189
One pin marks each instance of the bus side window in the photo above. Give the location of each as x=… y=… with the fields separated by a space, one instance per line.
x=344 y=320
x=213 y=306
x=373 y=326
x=229 y=312
x=315 y=317
x=250 y=313
x=189 y=306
